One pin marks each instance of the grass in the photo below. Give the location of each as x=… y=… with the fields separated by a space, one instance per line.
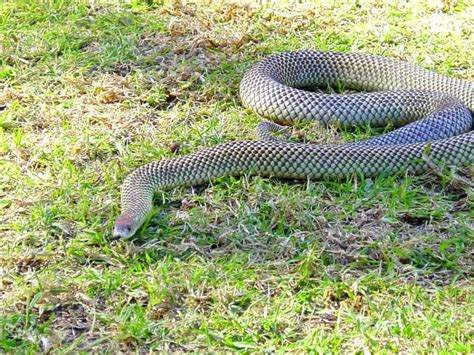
x=91 y=90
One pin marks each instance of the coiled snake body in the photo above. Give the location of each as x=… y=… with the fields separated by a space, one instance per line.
x=434 y=109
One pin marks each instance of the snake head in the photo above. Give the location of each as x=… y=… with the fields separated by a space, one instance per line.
x=125 y=227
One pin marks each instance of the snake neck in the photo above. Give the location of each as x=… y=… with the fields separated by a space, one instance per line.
x=138 y=187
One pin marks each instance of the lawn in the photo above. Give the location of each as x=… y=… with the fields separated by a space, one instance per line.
x=90 y=90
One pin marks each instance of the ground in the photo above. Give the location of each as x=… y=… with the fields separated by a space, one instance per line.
x=91 y=90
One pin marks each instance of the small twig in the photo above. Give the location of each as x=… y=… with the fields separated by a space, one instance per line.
x=438 y=171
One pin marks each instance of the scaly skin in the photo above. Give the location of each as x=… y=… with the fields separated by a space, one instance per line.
x=434 y=104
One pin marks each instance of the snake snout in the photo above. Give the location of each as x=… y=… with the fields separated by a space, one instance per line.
x=124 y=227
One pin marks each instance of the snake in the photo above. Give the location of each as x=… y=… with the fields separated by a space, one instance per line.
x=432 y=115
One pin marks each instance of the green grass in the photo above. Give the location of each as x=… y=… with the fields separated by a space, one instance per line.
x=91 y=90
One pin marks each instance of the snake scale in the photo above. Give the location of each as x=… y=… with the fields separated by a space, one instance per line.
x=433 y=113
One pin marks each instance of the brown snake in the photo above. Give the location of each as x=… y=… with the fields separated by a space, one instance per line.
x=435 y=111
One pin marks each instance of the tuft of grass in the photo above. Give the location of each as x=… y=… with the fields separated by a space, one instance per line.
x=91 y=90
